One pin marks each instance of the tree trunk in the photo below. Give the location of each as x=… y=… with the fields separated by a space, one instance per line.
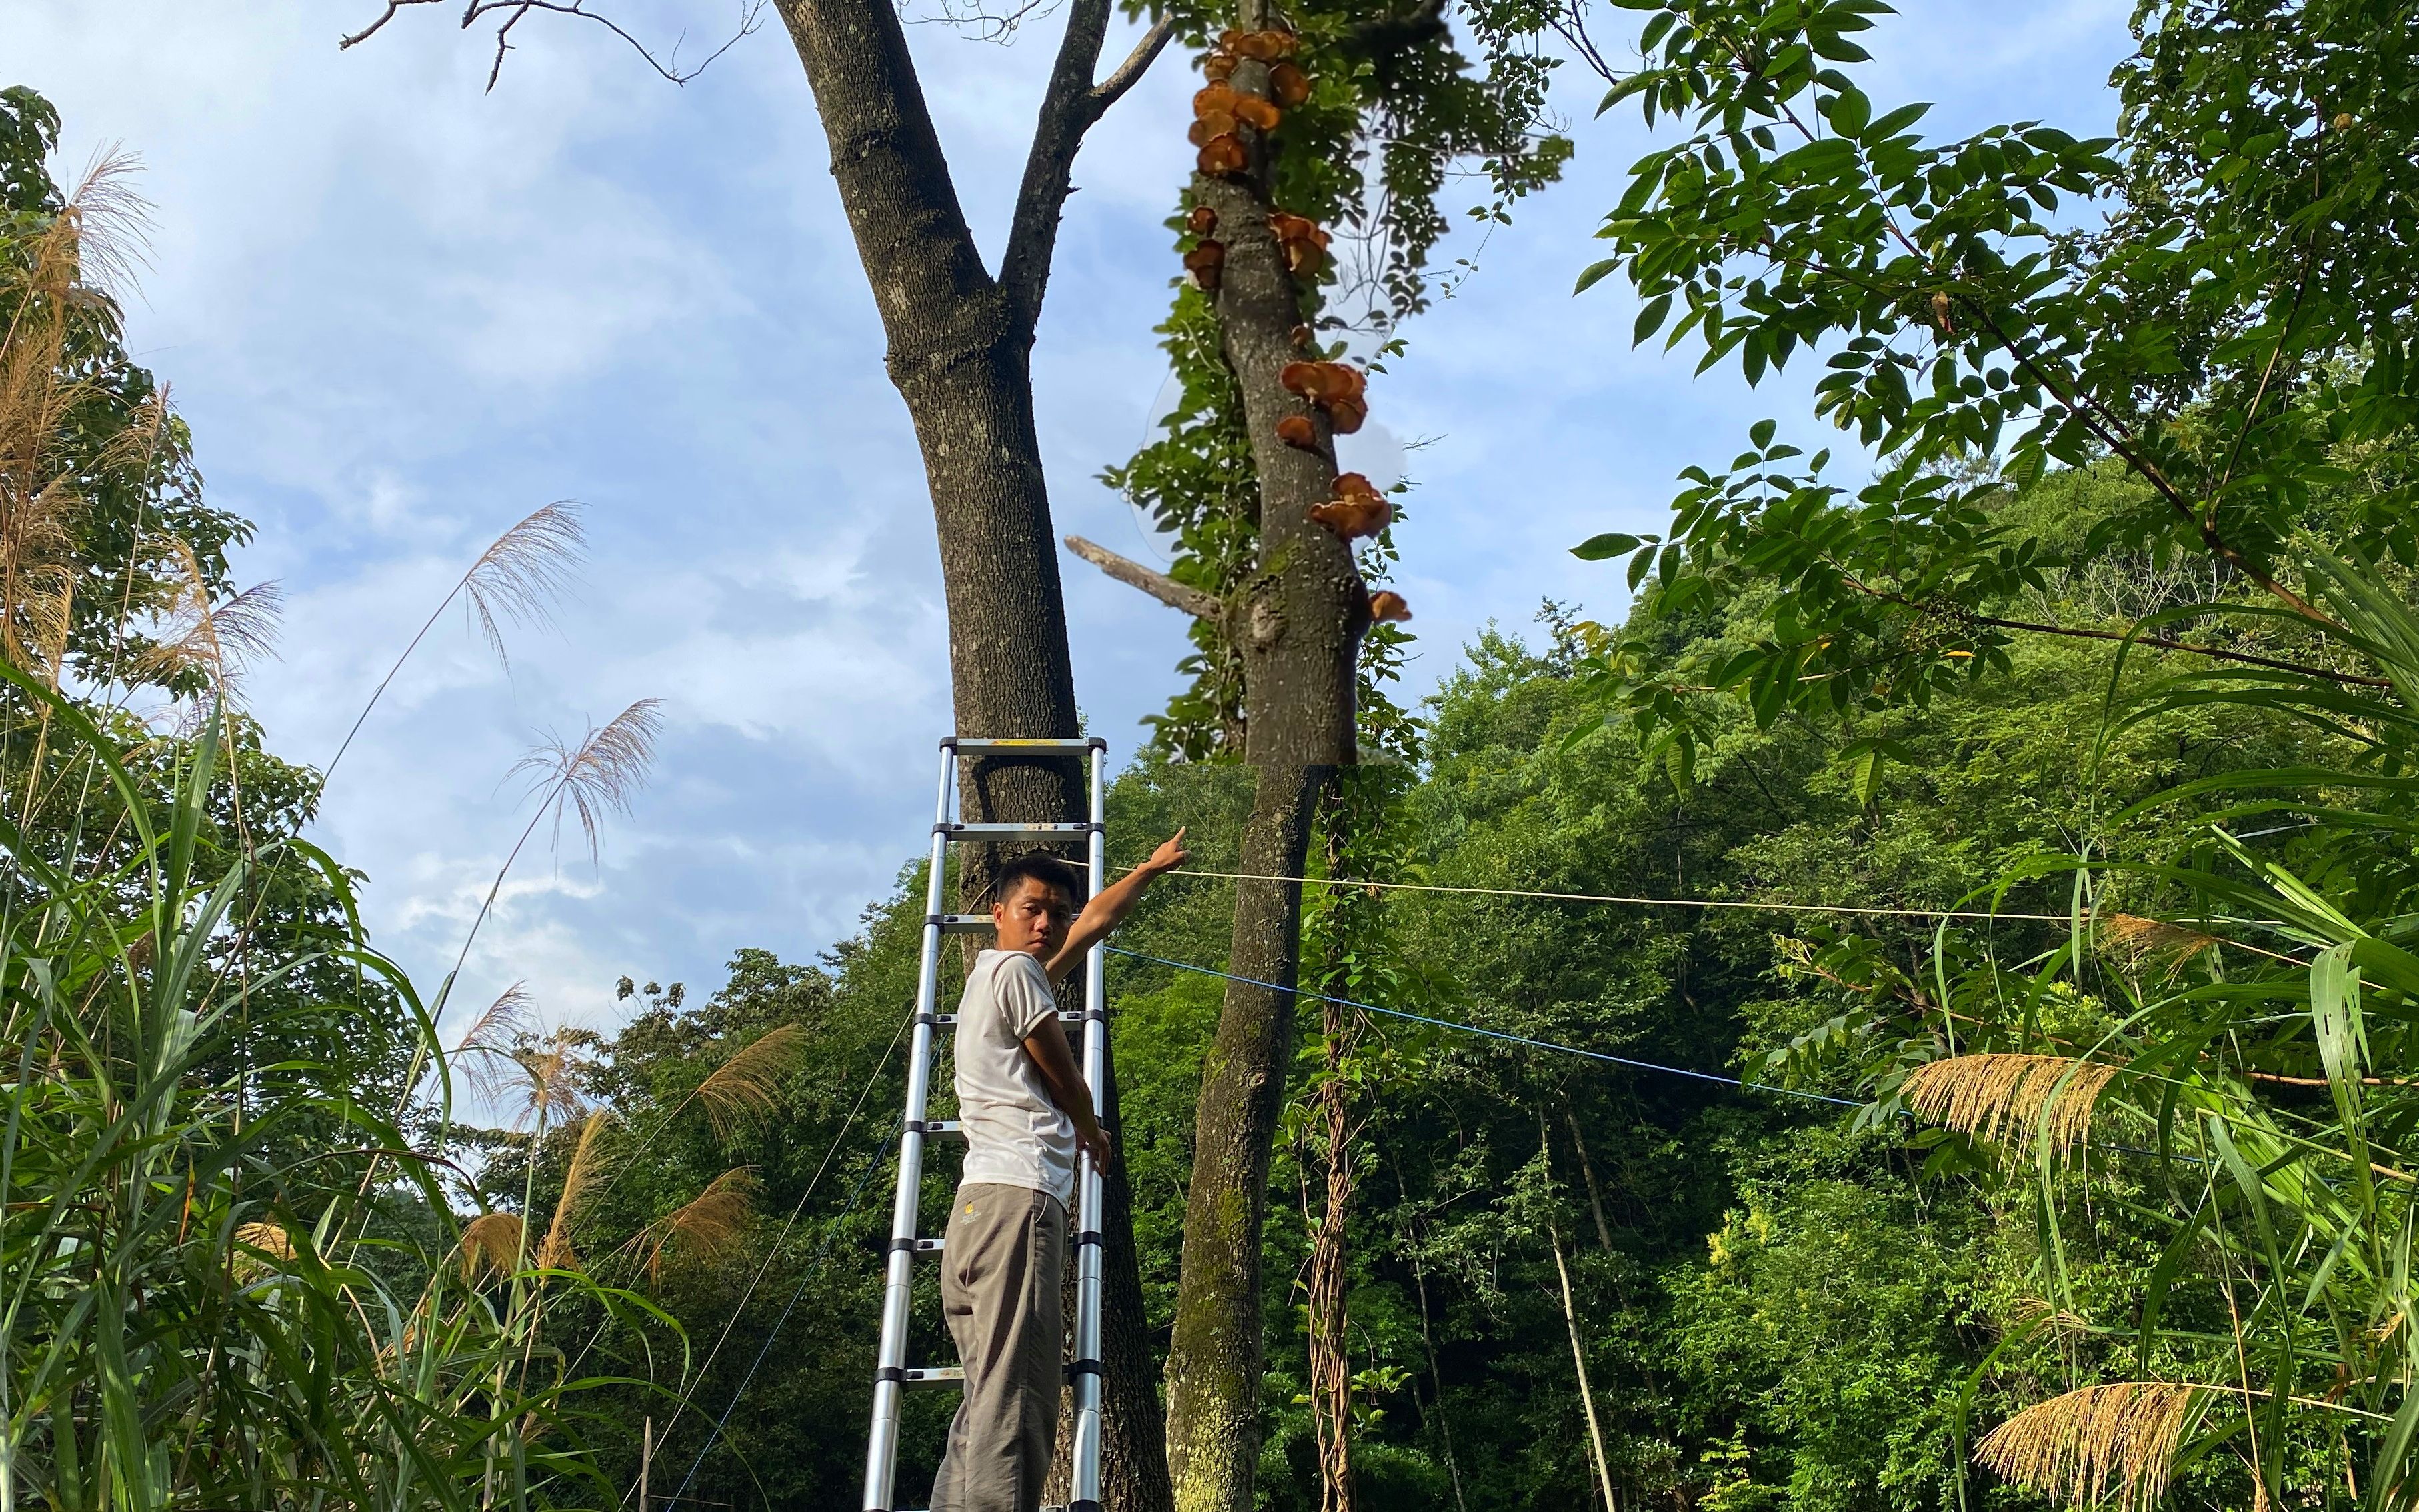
x=1579 y=1360
x=1133 y=1462
x=960 y=352
x=1587 y=1169
x=1214 y=1359
x=1299 y=625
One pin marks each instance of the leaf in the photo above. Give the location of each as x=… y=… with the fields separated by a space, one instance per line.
x=1849 y=109
x=1865 y=760
x=1595 y=274
x=1638 y=566
x=1642 y=79
x=1895 y=122
x=1650 y=319
x=1610 y=544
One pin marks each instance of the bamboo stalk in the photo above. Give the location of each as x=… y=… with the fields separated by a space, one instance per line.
x=1587 y=1169
x=1578 y=1358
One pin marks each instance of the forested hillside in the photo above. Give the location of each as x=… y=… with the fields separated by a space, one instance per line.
x=1780 y=1303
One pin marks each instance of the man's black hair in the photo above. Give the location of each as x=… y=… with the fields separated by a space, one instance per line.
x=1039 y=867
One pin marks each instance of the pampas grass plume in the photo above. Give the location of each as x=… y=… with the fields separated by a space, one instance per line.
x=2085 y=1445
x=1983 y=1094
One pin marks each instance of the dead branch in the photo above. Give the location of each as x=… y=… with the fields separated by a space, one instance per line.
x=1137 y=63
x=1158 y=585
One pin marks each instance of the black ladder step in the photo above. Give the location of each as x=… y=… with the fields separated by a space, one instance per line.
x=961 y=923
x=1018 y=829
x=948 y=1375
x=970 y=744
x=938 y=1128
x=1066 y=1015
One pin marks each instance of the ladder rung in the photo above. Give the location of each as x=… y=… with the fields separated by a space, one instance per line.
x=967 y=745
x=964 y=923
x=942 y=1129
x=958 y=833
x=938 y=1376
x=931 y=1247
x=942 y=1020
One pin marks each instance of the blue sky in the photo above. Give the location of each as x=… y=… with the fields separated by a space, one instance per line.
x=401 y=313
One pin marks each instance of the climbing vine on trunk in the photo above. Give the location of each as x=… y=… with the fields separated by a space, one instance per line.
x=1323 y=135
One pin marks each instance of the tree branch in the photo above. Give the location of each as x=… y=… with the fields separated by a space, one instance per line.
x=1067 y=113
x=1070 y=105
x=1137 y=63
x=752 y=14
x=1962 y=615
x=2161 y=642
x=1158 y=585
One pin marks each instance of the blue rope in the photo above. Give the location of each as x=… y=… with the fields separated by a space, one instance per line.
x=1499 y=1034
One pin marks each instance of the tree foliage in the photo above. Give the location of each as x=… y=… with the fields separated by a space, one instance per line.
x=2215 y=301
x=2208 y=316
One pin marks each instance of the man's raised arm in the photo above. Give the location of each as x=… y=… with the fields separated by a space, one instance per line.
x=1116 y=901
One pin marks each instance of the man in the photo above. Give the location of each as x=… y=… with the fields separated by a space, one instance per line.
x=1025 y=1112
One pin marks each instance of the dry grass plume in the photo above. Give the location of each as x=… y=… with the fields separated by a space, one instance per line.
x=2154 y=942
x=94 y=242
x=743 y=1087
x=216 y=640
x=492 y=1244
x=2088 y=1445
x=2024 y=1095
x=259 y=1248
x=602 y=773
x=488 y=1049
x=555 y=1252
x=521 y=576
x=708 y=1224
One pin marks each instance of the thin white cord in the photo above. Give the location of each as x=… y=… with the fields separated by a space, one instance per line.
x=1609 y=898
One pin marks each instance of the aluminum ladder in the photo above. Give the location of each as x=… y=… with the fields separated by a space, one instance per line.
x=893 y=1375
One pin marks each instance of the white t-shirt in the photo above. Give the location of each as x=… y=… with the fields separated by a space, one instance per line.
x=1015 y=1134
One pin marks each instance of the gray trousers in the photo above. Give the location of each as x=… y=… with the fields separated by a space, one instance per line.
x=999 y=1288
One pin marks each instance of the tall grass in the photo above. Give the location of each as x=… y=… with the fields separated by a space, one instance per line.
x=2260 y=1014
x=205 y=1303
x=233 y=1275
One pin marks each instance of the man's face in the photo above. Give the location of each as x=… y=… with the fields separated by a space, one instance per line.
x=1033 y=918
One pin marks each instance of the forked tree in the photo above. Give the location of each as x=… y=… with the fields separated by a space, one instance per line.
x=1288 y=612
x=960 y=351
